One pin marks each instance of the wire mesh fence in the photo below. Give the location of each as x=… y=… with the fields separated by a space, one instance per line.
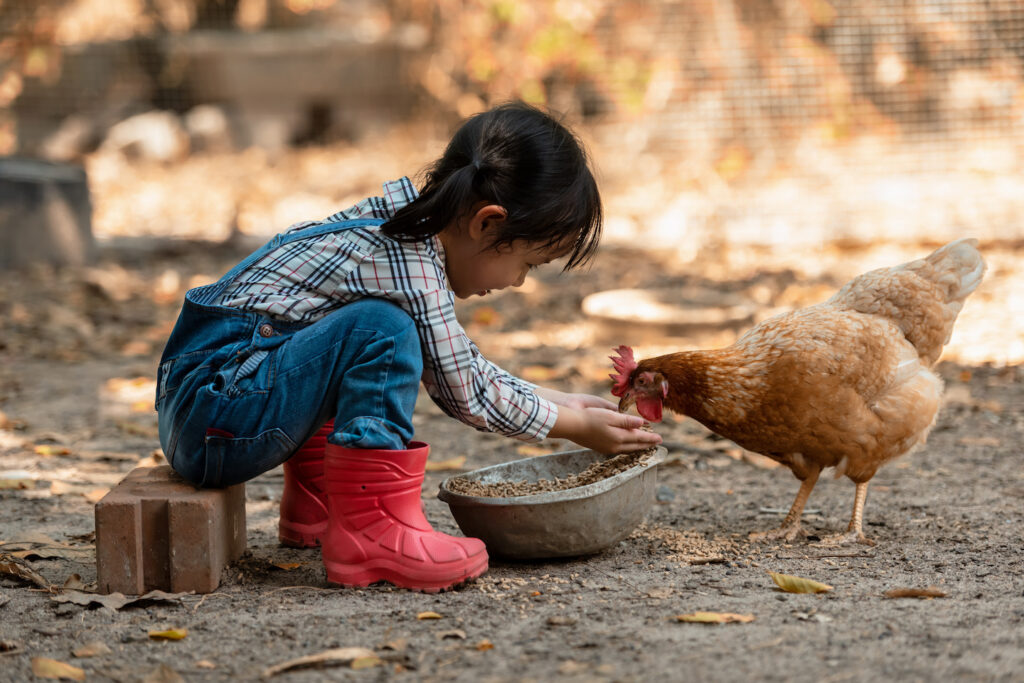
x=696 y=94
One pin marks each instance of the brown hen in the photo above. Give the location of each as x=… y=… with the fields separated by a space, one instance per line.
x=846 y=383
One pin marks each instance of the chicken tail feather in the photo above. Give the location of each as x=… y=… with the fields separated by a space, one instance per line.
x=923 y=297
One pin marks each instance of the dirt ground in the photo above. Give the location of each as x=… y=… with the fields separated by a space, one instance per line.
x=79 y=351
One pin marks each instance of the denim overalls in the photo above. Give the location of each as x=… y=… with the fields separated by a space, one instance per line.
x=238 y=392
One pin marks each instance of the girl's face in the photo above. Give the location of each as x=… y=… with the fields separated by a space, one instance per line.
x=474 y=266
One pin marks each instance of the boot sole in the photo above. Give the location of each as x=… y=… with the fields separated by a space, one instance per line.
x=295 y=535
x=362 y=575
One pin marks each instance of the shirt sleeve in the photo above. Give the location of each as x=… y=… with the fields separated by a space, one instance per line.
x=463 y=383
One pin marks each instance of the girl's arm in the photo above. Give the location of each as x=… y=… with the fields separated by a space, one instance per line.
x=595 y=423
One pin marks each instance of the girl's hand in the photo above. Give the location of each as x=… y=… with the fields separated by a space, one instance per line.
x=603 y=430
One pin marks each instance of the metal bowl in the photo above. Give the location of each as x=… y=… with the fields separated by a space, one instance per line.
x=576 y=521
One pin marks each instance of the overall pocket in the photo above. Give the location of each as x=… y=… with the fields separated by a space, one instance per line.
x=231 y=460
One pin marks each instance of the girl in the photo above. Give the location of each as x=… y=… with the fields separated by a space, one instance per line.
x=321 y=338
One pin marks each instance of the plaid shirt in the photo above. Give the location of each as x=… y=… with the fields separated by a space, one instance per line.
x=304 y=280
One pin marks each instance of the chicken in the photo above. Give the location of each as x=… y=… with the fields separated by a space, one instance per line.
x=846 y=383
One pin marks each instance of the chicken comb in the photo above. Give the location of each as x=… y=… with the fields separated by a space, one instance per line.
x=624 y=366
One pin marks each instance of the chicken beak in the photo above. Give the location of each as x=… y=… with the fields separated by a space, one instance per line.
x=626 y=401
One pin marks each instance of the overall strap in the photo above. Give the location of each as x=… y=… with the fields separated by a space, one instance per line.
x=208 y=294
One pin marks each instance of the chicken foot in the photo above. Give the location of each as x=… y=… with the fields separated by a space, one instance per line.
x=854 y=532
x=790 y=529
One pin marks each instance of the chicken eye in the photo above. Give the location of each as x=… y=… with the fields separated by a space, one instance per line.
x=641 y=380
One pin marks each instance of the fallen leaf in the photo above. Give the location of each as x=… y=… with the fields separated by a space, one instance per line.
x=531 y=451
x=92 y=649
x=16 y=484
x=484 y=645
x=10 y=647
x=485 y=315
x=340 y=655
x=539 y=374
x=163 y=674
x=169 y=634
x=428 y=615
x=796 y=584
x=929 y=592
x=206 y=664
x=365 y=662
x=715 y=618
x=287 y=566
x=115 y=600
x=454 y=634
x=455 y=463
x=59 y=488
x=74 y=583
x=19 y=569
x=396 y=645
x=96 y=495
x=51 y=668
x=48 y=449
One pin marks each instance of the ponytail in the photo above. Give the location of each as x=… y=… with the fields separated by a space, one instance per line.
x=522 y=159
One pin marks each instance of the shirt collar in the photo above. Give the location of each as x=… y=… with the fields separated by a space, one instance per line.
x=398 y=193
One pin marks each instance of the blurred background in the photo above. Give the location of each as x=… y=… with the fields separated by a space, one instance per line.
x=752 y=153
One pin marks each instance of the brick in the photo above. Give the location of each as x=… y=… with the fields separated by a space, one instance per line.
x=154 y=530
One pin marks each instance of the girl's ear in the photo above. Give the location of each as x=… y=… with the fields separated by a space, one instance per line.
x=484 y=220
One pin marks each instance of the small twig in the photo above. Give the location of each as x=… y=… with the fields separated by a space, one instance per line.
x=312 y=588
x=818 y=557
x=619 y=578
x=200 y=602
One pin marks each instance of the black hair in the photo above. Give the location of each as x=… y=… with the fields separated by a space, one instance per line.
x=522 y=159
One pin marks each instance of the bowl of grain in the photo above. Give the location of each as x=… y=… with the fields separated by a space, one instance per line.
x=559 y=505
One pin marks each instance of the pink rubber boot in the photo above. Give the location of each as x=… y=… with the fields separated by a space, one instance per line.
x=304 y=501
x=377 y=531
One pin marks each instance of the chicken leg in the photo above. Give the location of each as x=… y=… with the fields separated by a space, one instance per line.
x=790 y=527
x=854 y=532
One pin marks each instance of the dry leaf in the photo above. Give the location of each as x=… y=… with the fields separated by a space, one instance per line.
x=365 y=662
x=115 y=600
x=341 y=655
x=206 y=664
x=11 y=484
x=169 y=634
x=484 y=645
x=92 y=649
x=51 y=668
x=96 y=495
x=929 y=592
x=539 y=374
x=455 y=463
x=531 y=451
x=48 y=449
x=287 y=566
x=428 y=615
x=485 y=315
x=454 y=634
x=19 y=569
x=59 y=488
x=796 y=584
x=74 y=583
x=715 y=618
x=396 y=645
x=163 y=674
